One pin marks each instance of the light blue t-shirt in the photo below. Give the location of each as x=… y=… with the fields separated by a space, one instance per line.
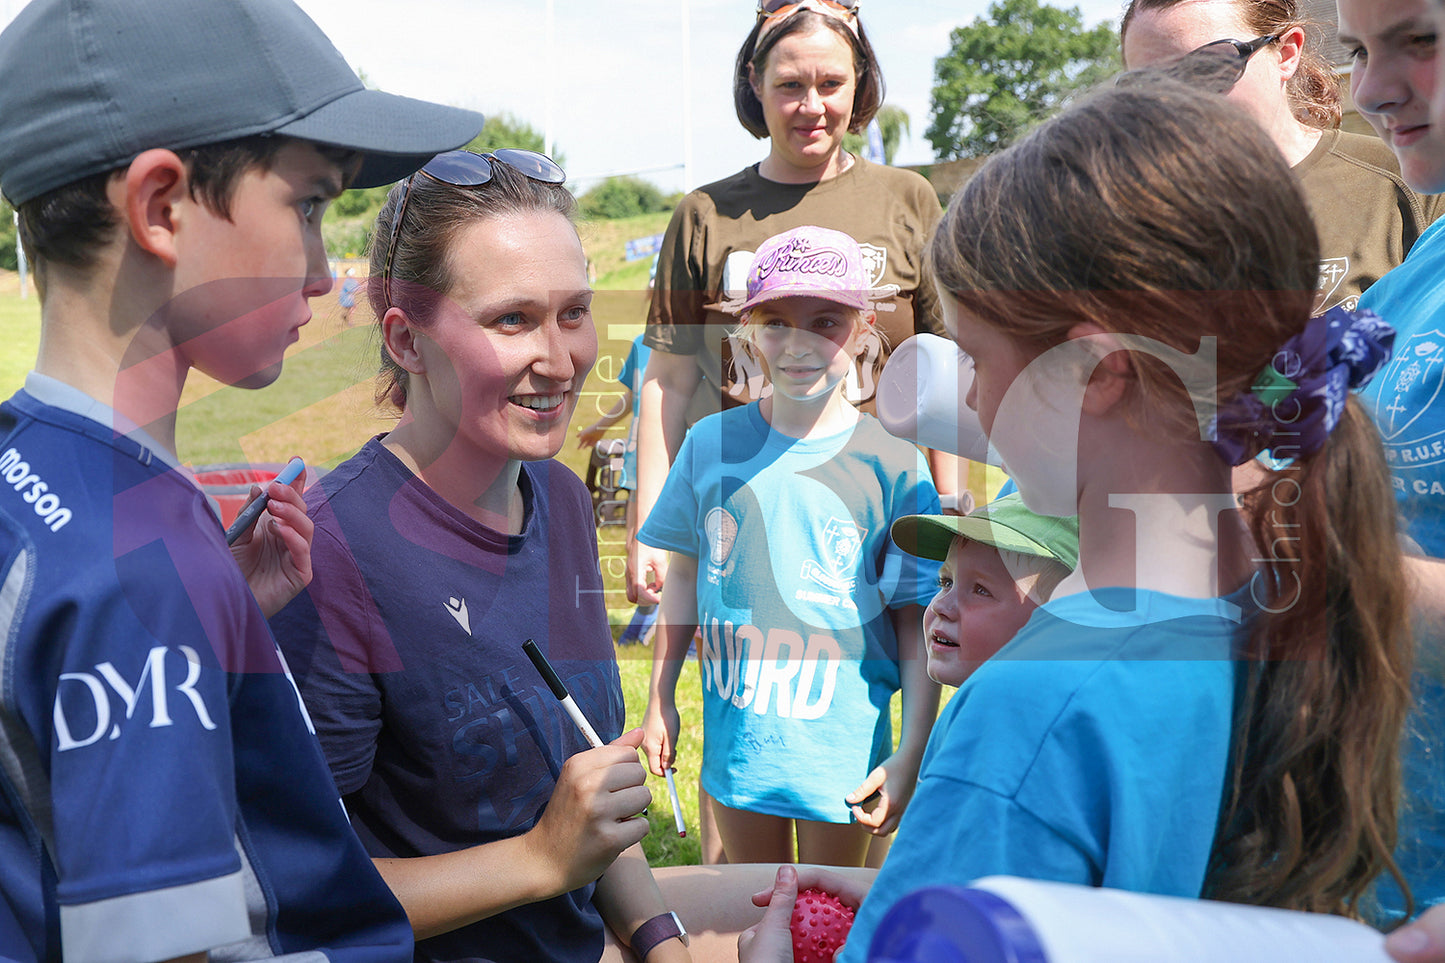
x=631 y=376
x=796 y=577
x=1091 y=749
x=1407 y=398
x=1420 y=854
x=1407 y=401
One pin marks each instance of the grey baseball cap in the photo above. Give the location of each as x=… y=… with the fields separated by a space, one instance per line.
x=86 y=85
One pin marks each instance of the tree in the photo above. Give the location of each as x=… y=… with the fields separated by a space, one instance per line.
x=504 y=130
x=1005 y=73
x=893 y=123
x=8 y=240
x=619 y=197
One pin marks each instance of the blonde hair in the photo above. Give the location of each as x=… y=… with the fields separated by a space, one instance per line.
x=745 y=332
x=1035 y=575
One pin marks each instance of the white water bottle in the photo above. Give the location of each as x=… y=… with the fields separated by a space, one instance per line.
x=1002 y=919
x=921 y=397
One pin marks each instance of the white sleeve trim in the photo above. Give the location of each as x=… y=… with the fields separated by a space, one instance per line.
x=156 y=925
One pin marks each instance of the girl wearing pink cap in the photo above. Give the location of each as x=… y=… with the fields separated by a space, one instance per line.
x=806 y=76
x=776 y=515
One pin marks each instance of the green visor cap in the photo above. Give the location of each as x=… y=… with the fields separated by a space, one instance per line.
x=1003 y=523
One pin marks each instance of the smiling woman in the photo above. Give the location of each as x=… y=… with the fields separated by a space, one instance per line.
x=445 y=544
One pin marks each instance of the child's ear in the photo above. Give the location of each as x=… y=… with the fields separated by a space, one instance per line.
x=400 y=340
x=1112 y=375
x=149 y=191
x=865 y=335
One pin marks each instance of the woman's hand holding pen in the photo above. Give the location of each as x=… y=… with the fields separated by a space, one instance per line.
x=593 y=813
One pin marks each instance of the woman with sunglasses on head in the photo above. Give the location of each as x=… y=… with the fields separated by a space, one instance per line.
x=805 y=76
x=1257 y=53
x=442 y=546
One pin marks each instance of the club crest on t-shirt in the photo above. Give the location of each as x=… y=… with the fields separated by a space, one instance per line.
x=1409 y=386
x=721 y=529
x=837 y=570
x=875 y=263
x=1333 y=271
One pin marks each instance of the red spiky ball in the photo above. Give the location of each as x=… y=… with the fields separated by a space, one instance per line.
x=820 y=924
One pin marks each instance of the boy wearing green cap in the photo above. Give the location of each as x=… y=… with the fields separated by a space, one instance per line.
x=161 y=795
x=1000 y=562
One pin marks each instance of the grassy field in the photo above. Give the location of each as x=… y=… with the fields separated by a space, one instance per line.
x=321 y=409
x=20 y=330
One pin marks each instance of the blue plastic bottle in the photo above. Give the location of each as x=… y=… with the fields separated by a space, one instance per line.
x=951 y=924
x=1007 y=920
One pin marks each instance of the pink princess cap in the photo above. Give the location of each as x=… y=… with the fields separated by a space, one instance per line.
x=808 y=262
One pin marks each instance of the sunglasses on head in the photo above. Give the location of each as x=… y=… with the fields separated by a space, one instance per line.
x=464 y=168
x=1220 y=62
x=774 y=8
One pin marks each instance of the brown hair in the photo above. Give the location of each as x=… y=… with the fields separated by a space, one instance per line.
x=1314 y=91
x=867 y=95
x=71 y=223
x=421 y=269
x=68 y=225
x=1122 y=212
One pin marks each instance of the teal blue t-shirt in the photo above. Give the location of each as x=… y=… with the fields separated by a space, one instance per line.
x=1407 y=397
x=1407 y=401
x=1091 y=749
x=797 y=578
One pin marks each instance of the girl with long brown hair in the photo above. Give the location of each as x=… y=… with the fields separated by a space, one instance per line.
x=1211 y=705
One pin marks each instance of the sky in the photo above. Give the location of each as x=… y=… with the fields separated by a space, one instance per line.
x=612 y=84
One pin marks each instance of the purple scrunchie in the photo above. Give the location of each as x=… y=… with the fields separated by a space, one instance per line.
x=1300 y=396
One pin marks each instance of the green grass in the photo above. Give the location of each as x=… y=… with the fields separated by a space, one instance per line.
x=19 y=333
x=662 y=845
x=319 y=408
x=631 y=277
x=606 y=242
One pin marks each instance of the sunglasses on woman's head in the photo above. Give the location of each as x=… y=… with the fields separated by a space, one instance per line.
x=464 y=168
x=772 y=8
x=1220 y=61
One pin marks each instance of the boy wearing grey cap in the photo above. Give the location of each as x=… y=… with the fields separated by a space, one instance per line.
x=161 y=795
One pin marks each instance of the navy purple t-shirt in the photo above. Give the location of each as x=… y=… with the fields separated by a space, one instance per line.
x=408 y=650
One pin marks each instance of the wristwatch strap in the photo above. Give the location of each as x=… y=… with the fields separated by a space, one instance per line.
x=665 y=926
